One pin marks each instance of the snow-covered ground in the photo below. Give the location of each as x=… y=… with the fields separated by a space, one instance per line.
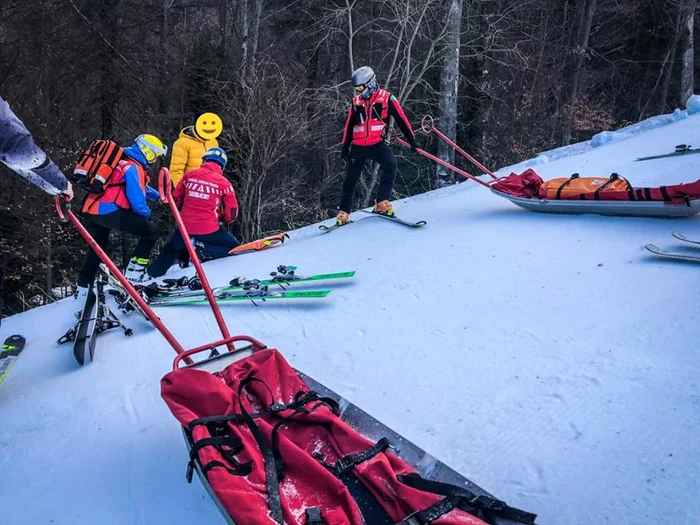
x=549 y=358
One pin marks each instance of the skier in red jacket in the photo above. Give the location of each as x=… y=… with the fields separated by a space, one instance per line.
x=206 y=201
x=365 y=130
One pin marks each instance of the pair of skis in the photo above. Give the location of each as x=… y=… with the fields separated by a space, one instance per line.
x=184 y=291
x=95 y=319
x=676 y=255
x=395 y=219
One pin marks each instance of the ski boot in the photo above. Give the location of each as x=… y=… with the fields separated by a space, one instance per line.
x=384 y=208
x=136 y=270
x=342 y=218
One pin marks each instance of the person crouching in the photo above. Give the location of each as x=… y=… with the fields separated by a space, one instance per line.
x=206 y=201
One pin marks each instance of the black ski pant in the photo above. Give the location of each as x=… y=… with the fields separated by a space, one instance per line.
x=99 y=226
x=380 y=153
x=216 y=245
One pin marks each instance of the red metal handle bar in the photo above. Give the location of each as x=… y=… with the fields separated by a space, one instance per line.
x=166 y=193
x=427 y=126
x=257 y=345
x=443 y=163
x=68 y=215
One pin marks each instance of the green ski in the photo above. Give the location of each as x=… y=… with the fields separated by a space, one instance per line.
x=284 y=278
x=11 y=349
x=261 y=296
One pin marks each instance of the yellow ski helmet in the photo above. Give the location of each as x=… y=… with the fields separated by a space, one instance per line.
x=151 y=147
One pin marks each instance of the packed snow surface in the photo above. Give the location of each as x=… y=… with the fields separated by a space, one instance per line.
x=549 y=358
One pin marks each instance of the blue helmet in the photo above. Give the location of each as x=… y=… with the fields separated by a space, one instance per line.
x=215 y=155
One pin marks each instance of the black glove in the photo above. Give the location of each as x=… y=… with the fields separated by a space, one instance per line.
x=345 y=153
x=414 y=144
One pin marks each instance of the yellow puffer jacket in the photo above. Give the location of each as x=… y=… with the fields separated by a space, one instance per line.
x=187 y=153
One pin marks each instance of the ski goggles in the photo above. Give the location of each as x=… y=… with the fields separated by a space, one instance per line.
x=361 y=88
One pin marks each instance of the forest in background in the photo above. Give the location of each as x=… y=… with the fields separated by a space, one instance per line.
x=506 y=79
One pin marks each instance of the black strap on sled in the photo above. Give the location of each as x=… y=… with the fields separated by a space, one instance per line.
x=300 y=399
x=482 y=506
x=274 y=467
x=565 y=184
x=351 y=460
x=235 y=446
x=613 y=178
x=274 y=498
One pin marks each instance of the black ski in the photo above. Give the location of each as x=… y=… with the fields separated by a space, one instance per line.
x=683 y=238
x=86 y=327
x=90 y=325
x=672 y=255
x=395 y=219
x=410 y=224
x=325 y=228
x=681 y=149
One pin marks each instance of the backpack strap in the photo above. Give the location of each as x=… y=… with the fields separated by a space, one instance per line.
x=482 y=506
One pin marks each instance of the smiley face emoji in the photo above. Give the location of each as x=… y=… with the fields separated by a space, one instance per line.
x=208 y=126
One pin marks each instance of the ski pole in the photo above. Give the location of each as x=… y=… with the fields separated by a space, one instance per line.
x=427 y=126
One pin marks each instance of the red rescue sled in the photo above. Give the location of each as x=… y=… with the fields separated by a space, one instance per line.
x=271 y=445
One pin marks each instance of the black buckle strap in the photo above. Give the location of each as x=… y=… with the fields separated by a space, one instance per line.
x=235 y=446
x=313 y=516
x=271 y=472
x=351 y=460
x=429 y=515
x=482 y=506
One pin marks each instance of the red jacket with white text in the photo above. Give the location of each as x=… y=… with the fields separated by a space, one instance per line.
x=205 y=198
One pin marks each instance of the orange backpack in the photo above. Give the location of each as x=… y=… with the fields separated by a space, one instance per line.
x=96 y=165
x=564 y=188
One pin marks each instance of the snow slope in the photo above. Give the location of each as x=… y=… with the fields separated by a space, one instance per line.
x=548 y=358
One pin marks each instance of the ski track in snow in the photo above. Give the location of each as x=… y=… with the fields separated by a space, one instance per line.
x=548 y=358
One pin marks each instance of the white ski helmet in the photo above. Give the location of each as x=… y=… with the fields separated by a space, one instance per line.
x=364 y=81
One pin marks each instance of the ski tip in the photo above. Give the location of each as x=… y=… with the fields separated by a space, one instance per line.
x=678 y=235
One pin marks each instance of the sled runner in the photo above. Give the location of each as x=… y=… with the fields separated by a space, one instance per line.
x=602 y=207
x=271 y=445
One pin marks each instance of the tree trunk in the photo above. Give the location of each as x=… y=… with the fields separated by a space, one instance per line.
x=688 y=71
x=586 y=10
x=244 y=24
x=449 y=85
x=254 y=33
x=671 y=60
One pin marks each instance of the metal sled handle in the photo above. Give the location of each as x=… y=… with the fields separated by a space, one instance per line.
x=185 y=356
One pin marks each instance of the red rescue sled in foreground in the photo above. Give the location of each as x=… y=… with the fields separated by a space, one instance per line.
x=271 y=445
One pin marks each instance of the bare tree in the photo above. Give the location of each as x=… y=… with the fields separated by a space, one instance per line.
x=449 y=87
x=688 y=8
x=585 y=11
